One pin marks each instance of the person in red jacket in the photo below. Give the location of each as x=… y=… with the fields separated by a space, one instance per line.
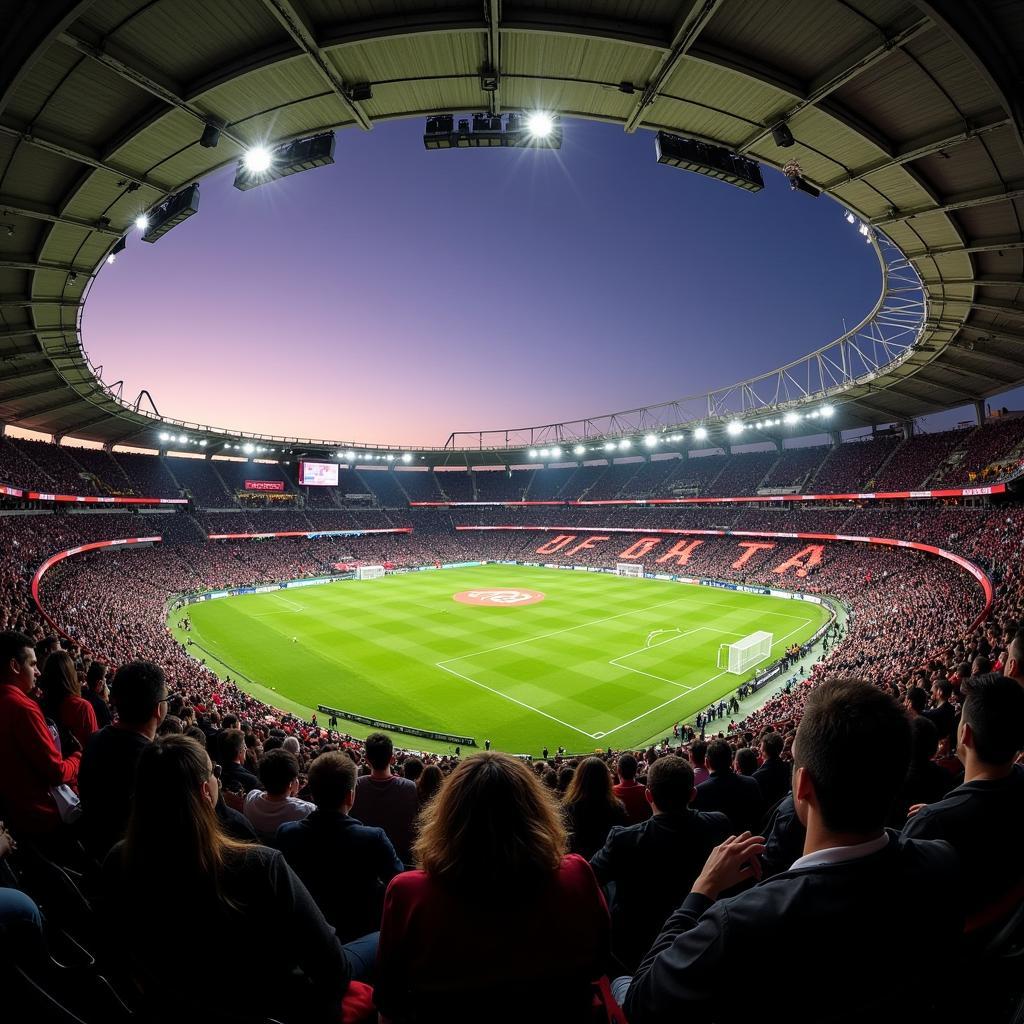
x=630 y=792
x=30 y=763
x=491 y=852
x=62 y=701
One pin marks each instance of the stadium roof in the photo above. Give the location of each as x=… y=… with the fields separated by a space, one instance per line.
x=909 y=113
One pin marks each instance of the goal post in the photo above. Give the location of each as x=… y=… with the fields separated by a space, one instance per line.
x=369 y=572
x=629 y=569
x=737 y=658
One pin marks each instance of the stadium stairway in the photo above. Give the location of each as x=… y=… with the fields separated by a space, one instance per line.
x=870 y=484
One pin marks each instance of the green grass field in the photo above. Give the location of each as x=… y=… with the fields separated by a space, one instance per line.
x=578 y=669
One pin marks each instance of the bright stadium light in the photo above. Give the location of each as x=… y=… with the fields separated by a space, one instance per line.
x=202 y=444
x=350 y=456
x=257 y=160
x=827 y=410
x=248 y=449
x=112 y=258
x=540 y=125
x=791 y=417
x=579 y=449
x=701 y=433
x=532 y=453
x=389 y=457
x=650 y=441
x=625 y=443
x=850 y=218
x=609 y=446
x=734 y=427
x=141 y=222
x=544 y=453
x=556 y=452
x=183 y=439
x=407 y=457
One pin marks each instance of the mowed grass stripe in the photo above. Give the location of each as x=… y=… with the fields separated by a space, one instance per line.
x=373 y=648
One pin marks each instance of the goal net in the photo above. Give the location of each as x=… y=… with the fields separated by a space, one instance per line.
x=746 y=653
x=629 y=569
x=369 y=572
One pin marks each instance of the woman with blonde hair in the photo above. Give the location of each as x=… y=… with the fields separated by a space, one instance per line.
x=62 y=701
x=492 y=859
x=591 y=807
x=243 y=899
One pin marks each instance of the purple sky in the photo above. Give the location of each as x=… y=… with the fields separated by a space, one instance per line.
x=402 y=294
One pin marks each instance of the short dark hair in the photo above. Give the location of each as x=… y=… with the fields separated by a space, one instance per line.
x=719 y=756
x=412 y=768
x=136 y=690
x=924 y=740
x=12 y=648
x=746 y=761
x=332 y=777
x=379 y=750
x=854 y=743
x=627 y=767
x=917 y=698
x=772 y=744
x=278 y=770
x=994 y=709
x=944 y=686
x=670 y=781
x=230 y=743
x=96 y=674
x=698 y=750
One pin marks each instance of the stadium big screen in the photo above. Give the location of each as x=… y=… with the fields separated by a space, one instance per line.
x=318 y=474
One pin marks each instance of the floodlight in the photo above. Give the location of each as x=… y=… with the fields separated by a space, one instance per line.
x=791 y=418
x=210 y=137
x=556 y=452
x=625 y=443
x=701 y=433
x=389 y=457
x=714 y=161
x=164 y=436
x=650 y=440
x=609 y=446
x=532 y=453
x=827 y=410
x=141 y=222
x=407 y=457
x=850 y=218
x=782 y=136
x=540 y=125
x=734 y=427
x=350 y=456
x=111 y=258
x=544 y=453
x=248 y=449
x=171 y=212
x=260 y=165
x=579 y=449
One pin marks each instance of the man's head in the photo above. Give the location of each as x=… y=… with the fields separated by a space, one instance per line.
x=698 y=751
x=332 y=781
x=851 y=755
x=1014 y=664
x=231 y=746
x=746 y=761
x=412 y=769
x=379 y=750
x=772 y=744
x=992 y=720
x=18 y=664
x=670 y=785
x=44 y=648
x=916 y=700
x=627 y=768
x=96 y=678
x=139 y=692
x=279 y=773
x=719 y=756
x=941 y=689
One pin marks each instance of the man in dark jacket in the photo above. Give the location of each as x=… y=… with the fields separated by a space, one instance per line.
x=653 y=864
x=228 y=748
x=983 y=820
x=854 y=923
x=774 y=777
x=736 y=796
x=345 y=865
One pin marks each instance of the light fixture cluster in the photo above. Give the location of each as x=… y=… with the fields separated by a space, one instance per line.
x=622 y=444
x=351 y=456
x=863 y=228
x=791 y=418
x=182 y=439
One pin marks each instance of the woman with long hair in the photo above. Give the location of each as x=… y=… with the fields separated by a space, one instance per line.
x=428 y=785
x=62 y=701
x=247 y=904
x=591 y=807
x=492 y=857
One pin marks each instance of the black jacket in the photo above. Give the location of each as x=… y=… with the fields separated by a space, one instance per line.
x=235 y=777
x=736 y=796
x=106 y=780
x=775 y=778
x=811 y=945
x=653 y=865
x=346 y=866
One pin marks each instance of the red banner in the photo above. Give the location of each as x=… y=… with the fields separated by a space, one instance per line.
x=264 y=485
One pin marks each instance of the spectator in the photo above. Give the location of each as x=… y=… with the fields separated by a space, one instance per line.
x=654 y=863
x=916 y=700
x=591 y=808
x=30 y=763
x=230 y=748
x=277 y=802
x=737 y=797
x=698 y=753
x=428 y=784
x=491 y=849
x=745 y=762
x=412 y=769
x=139 y=693
x=1014 y=665
x=97 y=693
x=630 y=792
x=62 y=701
x=383 y=800
x=851 y=754
x=235 y=889
x=926 y=782
x=345 y=865
x=984 y=818
x=774 y=776
x=941 y=714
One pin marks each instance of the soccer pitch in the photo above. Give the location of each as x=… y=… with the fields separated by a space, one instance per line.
x=600 y=661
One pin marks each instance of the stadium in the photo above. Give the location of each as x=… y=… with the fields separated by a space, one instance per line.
x=637 y=701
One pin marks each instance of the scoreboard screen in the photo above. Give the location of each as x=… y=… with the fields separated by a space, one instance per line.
x=318 y=474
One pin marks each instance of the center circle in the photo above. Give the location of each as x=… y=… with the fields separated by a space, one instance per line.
x=504 y=597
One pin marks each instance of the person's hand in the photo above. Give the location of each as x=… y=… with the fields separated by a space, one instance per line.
x=914 y=808
x=732 y=862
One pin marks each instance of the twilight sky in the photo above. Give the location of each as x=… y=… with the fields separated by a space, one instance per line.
x=401 y=294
